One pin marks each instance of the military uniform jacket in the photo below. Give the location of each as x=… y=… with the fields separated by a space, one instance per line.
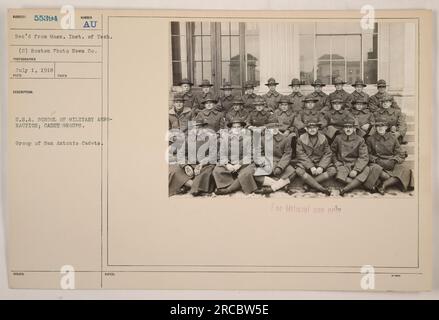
x=394 y=117
x=287 y=120
x=180 y=120
x=230 y=144
x=236 y=115
x=282 y=150
x=225 y=103
x=383 y=149
x=296 y=99
x=272 y=99
x=374 y=102
x=323 y=97
x=209 y=142
x=190 y=100
x=350 y=151
x=248 y=100
x=309 y=114
x=336 y=118
x=363 y=116
x=316 y=154
x=339 y=94
x=259 y=118
x=214 y=118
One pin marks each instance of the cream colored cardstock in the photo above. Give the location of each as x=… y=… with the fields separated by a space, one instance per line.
x=87 y=176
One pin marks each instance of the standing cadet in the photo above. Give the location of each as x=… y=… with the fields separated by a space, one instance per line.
x=236 y=111
x=272 y=97
x=179 y=115
x=296 y=97
x=213 y=117
x=319 y=94
x=359 y=93
x=226 y=99
x=335 y=118
x=234 y=170
x=386 y=158
x=283 y=173
x=206 y=90
x=249 y=96
x=260 y=116
x=310 y=111
x=314 y=157
x=286 y=117
x=363 y=117
x=394 y=117
x=350 y=157
x=374 y=101
x=190 y=100
x=339 y=93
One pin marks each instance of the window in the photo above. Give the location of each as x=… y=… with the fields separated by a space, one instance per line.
x=216 y=51
x=331 y=50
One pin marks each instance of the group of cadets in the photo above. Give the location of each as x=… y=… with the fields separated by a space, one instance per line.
x=352 y=137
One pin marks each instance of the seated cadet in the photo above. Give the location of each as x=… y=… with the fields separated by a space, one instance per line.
x=196 y=172
x=190 y=100
x=386 y=161
x=179 y=180
x=179 y=115
x=258 y=117
x=350 y=157
x=287 y=118
x=226 y=99
x=359 y=93
x=374 y=100
x=319 y=94
x=237 y=111
x=363 y=117
x=282 y=173
x=335 y=119
x=213 y=117
x=272 y=97
x=314 y=157
x=249 y=96
x=339 y=93
x=394 y=117
x=296 y=97
x=310 y=111
x=234 y=170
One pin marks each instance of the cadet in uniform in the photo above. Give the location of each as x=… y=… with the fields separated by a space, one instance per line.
x=237 y=111
x=374 y=101
x=319 y=94
x=359 y=93
x=350 y=157
x=179 y=115
x=394 y=117
x=363 y=117
x=272 y=97
x=335 y=118
x=339 y=93
x=283 y=173
x=314 y=157
x=296 y=97
x=206 y=90
x=386 y=161
x=226 y=99
x=195 y=174
x=213 y=117
x=234 y=170
x=287 y=119
x=190 y=100
x=310 y=111
x=249 y=96
x=260 y=116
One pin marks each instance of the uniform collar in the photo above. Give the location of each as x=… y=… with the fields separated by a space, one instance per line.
x=228 y=97
x=348 y=138
x=253 y=95
x=288 y=112
x=364 y=110
x=386 y=136
x=189 y=94
x=320 y=93
x=278 y=137
x=185 y=110
x=208 y=112
x=305 y=138
x=298 y=94
x=363 y=94
x=260 y=112
x=311 y=111
x=341 y=111
x=389 y=110
x=275 y=93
